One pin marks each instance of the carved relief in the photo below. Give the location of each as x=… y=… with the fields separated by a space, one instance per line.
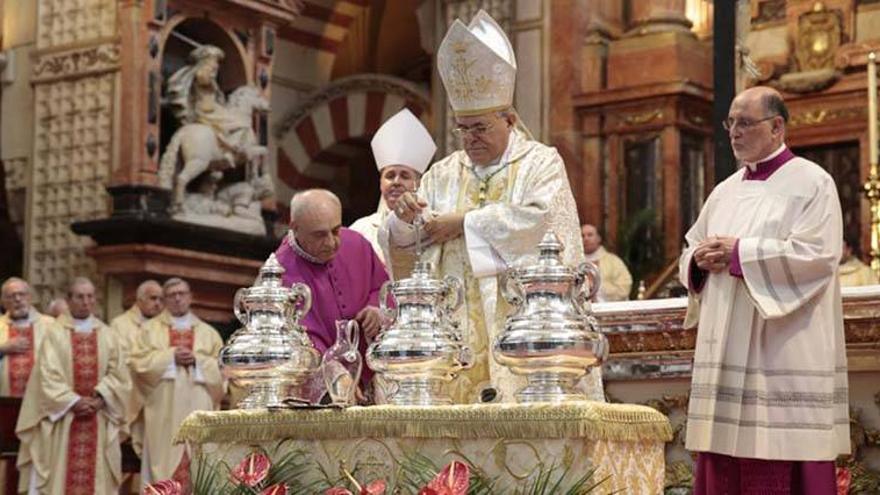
x=822 y=116
x=819 y=35
x=216 y=140
x=76 y=63
x=770 y=11
x=72 y=161
x=15 y=170
x=66 y=22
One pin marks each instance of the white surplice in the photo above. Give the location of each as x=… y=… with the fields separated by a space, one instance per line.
x=529 y=195
x=769 y=378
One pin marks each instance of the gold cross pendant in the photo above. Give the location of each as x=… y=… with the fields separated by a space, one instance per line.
x=482 y=195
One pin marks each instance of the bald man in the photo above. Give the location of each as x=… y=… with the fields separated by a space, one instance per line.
x=128 y=327
x=768 y=404
x=21 y=330
x=338 y=264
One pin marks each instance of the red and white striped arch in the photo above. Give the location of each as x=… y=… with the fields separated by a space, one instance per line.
x=315 y=141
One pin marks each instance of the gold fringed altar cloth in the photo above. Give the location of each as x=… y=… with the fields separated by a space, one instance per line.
x=510 y=443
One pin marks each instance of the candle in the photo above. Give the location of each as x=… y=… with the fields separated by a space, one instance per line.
x=872 y=109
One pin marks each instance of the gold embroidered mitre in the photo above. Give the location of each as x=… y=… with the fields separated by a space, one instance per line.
x=477 y=66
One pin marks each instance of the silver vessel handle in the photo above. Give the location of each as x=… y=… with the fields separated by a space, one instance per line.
x=300 y=301
x=454 y=294
x=238 y=306
x=388 y=313
x=591 y=274
x=510 y=288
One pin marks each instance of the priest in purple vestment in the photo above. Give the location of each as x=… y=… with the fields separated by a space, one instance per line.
x=338 y=264
x=768 y=409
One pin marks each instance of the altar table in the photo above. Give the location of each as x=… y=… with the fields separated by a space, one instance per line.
x=511 y=442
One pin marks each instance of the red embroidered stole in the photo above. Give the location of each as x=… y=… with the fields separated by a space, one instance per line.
x=19 y=365
x=182 y=338
x=82 y=446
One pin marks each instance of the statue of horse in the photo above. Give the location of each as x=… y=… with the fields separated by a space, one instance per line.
x=229 y=140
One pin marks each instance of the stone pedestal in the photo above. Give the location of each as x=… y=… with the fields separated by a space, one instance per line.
x=139 y=241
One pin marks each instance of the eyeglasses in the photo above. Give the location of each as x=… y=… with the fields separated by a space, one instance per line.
x=729 y=123
x=475 y=131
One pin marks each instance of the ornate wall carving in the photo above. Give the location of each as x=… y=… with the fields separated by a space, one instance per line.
x=67 y=22
x=74 y=76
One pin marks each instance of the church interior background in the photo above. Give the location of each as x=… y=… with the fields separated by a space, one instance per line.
x=624 y=89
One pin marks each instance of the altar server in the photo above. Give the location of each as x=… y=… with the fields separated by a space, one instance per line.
x=768 y=407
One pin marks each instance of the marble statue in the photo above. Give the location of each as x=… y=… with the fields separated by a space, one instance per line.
x=215 y=139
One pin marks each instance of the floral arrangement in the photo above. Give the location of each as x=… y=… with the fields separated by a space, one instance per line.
x=256 y=474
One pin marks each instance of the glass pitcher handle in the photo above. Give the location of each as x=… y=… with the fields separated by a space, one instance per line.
x=352 y=334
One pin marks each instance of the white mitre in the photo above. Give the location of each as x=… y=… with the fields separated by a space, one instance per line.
x=477 y=66
x=403 y=140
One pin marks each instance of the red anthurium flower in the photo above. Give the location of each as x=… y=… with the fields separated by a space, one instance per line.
x=844 y=478
x=252 y=470
x=374 y=488
x=164 y=487
x=454 y=479
x=276 y=489
x=337 y=491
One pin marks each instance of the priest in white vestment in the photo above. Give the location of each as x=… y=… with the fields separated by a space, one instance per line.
x=403 y=149
x=487 y=206
x=175 y=368
x=768 y=409
x=128 y=327
x=22 y=329
x=616 y=279
x=73 y=414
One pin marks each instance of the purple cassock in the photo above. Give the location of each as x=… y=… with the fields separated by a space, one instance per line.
x=340 y=288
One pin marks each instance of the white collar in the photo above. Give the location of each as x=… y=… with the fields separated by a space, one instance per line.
x=485 y=170
x=27 y=321
x=595 y=255
x=181 y=322
x=769 y=157
x=83 y=326
x=291 y=239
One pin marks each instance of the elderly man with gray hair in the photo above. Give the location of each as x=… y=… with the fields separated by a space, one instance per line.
x=337 y=264
x=175 y=369
x=21 y=330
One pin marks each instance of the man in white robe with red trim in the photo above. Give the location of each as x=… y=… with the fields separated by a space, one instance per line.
x=22 y=329
x=73 y=413
x=768 y=409
x=175 y=368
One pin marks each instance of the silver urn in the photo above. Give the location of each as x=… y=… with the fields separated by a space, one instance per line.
x=422 y=350
x=551 y=337
x=271 y=355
